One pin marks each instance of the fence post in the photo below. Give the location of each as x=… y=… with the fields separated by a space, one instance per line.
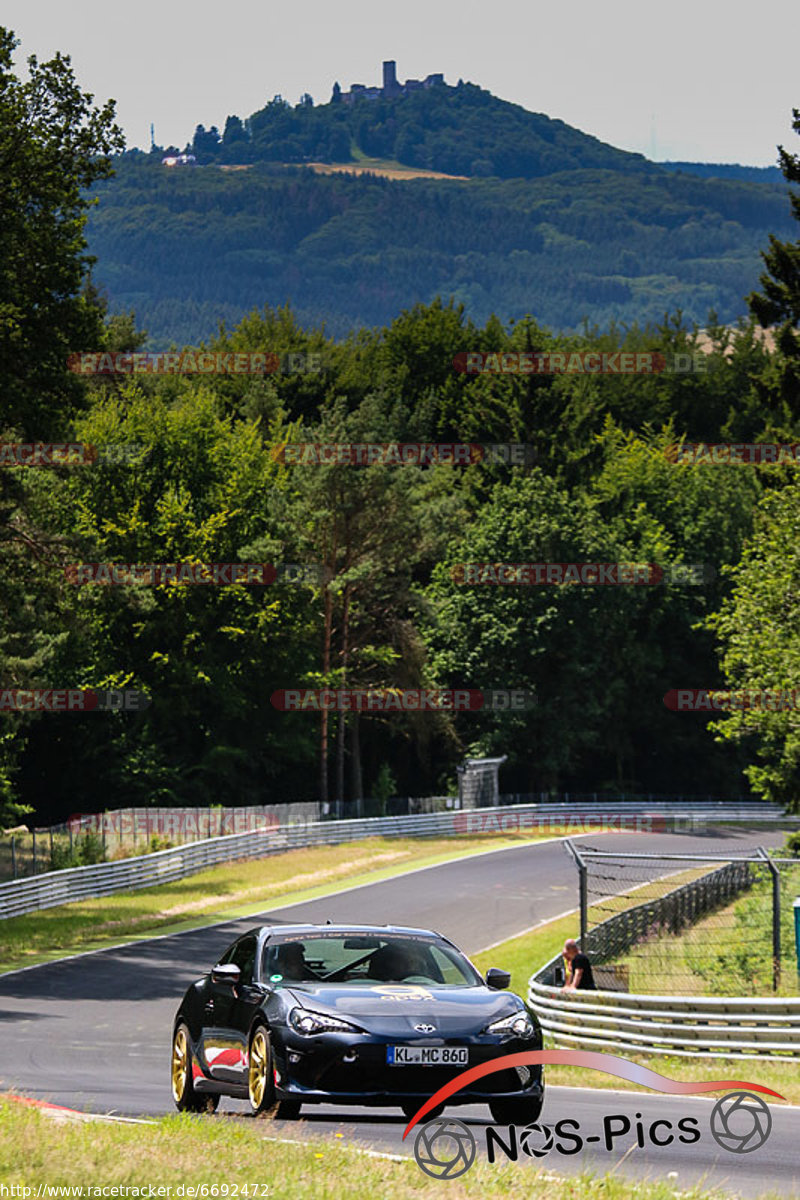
x=34 y=850
x=14 y=856
x=582 y=891
x=776 y=918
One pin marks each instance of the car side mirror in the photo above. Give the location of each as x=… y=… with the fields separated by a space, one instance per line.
x=497 y=979
x=229 y=973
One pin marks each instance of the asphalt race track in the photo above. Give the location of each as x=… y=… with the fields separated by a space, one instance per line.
x=93 y=1032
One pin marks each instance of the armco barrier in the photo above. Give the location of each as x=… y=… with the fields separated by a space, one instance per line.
x=688 y=1027
x=82 y=883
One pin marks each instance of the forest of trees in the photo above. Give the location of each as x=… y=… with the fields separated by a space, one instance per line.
x=385 y=610
x=190 y=247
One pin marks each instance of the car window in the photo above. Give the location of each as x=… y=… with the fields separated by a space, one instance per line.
x=365 y=959
x=448 y=968
x=243 y=956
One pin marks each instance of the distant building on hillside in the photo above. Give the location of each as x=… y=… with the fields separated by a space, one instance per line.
x=391 y=86
x=179 y=160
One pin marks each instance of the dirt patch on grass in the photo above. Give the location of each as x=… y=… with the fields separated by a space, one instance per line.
x=377 y=169
x=266 y=890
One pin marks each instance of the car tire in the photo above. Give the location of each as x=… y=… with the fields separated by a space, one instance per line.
x=411 y=1109
x=260 y=1078
x=516 y=1112
x=183 y=1090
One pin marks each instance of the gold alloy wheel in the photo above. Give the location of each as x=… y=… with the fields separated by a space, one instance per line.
x=257 y=1073
x=180 y=1064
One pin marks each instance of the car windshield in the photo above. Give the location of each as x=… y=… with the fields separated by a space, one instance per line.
x=372 y=958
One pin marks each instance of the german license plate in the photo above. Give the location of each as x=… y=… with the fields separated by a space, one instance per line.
x=427 y=1056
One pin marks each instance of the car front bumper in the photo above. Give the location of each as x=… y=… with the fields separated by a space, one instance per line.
x=340 y=1069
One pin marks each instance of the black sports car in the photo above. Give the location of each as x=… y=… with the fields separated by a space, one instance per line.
x=372 y=1015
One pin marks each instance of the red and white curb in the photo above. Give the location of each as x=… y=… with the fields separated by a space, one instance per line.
x=58 y=1112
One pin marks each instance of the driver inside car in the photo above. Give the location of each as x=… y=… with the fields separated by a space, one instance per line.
x=291 y=962
x=391 y=964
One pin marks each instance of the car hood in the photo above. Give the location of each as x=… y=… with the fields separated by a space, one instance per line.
x=391 y=1008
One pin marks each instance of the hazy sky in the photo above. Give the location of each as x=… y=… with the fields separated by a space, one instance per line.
x=691 y=79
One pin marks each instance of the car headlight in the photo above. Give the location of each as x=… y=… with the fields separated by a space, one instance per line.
x=518 y=1024
x=308 y=1022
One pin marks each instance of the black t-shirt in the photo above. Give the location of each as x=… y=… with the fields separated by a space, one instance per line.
x=587 y=979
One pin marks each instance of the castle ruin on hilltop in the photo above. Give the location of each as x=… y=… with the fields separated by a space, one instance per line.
x=391 y=87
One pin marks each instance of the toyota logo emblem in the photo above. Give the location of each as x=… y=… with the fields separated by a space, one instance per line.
x=425 y=1028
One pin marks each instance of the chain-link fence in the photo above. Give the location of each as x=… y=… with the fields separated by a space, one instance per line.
x=686 y=925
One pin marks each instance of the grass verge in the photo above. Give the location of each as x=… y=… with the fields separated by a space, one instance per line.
x=184 y=1152
x=230 y=890
x=525 y=954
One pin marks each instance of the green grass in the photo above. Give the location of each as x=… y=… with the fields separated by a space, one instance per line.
x=181 y=1150
x=231 y=890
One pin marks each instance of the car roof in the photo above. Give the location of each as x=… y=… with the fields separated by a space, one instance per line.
x=308 y=929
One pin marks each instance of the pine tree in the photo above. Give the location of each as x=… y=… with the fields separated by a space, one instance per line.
x=779 y=302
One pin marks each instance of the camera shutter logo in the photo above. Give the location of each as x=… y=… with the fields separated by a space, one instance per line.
x=444 y=1148
x=536 y=1140
x=741 y=1122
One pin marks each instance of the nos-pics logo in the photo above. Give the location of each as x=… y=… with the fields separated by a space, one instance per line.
x=445 y=1148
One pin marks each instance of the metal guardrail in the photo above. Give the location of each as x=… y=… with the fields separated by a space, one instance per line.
x=81 y=883
x=685 y=1026
x=688 y=1027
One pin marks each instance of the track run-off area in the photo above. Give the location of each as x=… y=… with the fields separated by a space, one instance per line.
x=93 y=1032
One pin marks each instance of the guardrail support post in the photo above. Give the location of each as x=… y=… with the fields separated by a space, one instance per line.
x=13 y=856
x=34 y=850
